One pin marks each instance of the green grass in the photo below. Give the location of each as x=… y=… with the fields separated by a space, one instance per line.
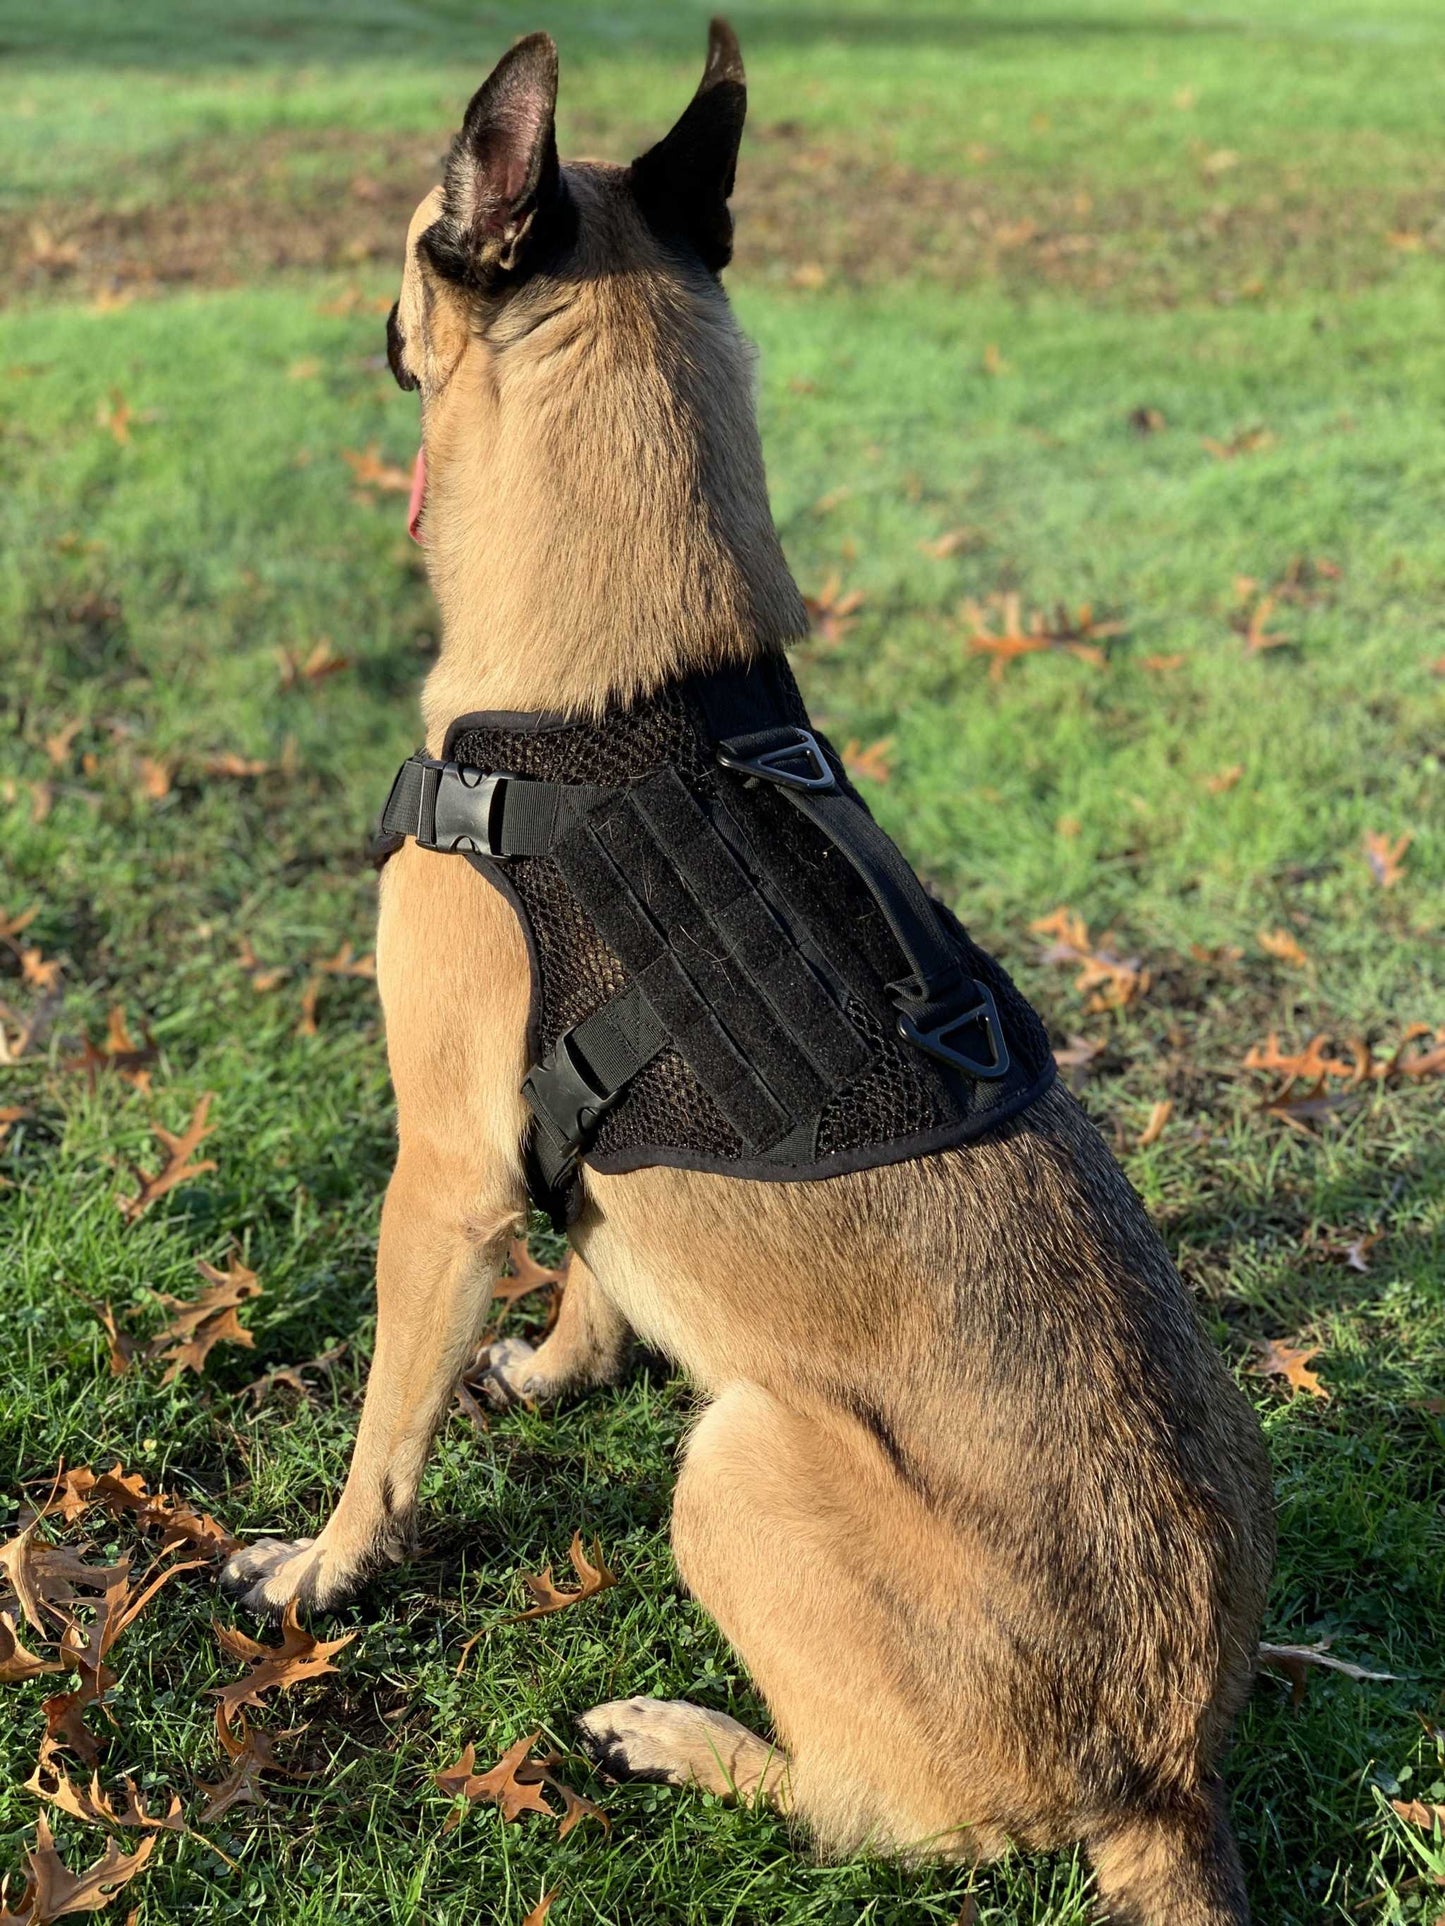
x=146 y=585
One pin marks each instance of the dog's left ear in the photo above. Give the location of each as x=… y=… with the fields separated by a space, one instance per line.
x=683 y=184
x=502 y=185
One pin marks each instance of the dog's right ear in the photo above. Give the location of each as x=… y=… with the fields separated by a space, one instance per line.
x=502 y=185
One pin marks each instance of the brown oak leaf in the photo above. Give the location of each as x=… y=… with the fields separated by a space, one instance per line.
x=593 y=1577
x=299 y=1658
x=1386 y=858
x=51 y=1890
x=251 y=1752
x=203 y=1322
x=1280 y=1360
x=178 y=1169
x=525 y=1275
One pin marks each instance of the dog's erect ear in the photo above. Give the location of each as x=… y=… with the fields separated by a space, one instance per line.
x=502 y=184
x=683 y=184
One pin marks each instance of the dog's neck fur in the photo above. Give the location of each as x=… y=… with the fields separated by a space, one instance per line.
x=597 y=515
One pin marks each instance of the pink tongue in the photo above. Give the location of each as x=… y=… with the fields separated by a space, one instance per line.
x=418 y=497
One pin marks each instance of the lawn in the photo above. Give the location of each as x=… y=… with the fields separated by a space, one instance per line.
x=1130 y=313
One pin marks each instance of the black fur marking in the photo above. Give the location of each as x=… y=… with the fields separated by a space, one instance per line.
x=877 y=1426
x=396 y=351
x=607 y=1753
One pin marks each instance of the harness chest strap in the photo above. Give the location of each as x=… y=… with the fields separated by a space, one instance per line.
x=638 y=859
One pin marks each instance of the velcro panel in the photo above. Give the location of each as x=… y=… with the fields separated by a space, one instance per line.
x=755 y=936
x=616 y=871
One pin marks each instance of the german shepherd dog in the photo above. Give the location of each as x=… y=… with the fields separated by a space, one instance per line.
x=972 y=1495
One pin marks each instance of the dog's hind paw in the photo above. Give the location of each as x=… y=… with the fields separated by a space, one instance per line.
x=675 y=1743
x=268 y=1576
x=509 y=1375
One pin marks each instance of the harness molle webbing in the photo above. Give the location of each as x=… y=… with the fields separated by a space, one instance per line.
x=745 y=972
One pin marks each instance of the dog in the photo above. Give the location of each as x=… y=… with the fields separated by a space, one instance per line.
x=972 y=1496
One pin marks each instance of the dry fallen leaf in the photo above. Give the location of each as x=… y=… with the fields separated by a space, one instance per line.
x=1164 y=664
x=178 y=1168
x=592 y=1574
x=1416 y=1813
x=1308 y=1064
x=1159 y=1116
x=1296 y=1661
x=1079 y=1055
x=1385 y=858
x=372 y=472
x=125 y=1494
x=261 y=1388
x=1077 y=635
x=871 y=762
x=262 y=979
x=58 y=746
x=16 y=1663
x=203 y=1322
x=51 y=1890
x=1259 y=638
x=228 y=763
x=525 y=1275
x=321 y=662
x=50 y=1782
x=1249 y=441
x=39 y=971
x=1112 y=981
x=299 y=1658
x=155 y=777
x=1281 y=944
x=346 y=963
x=1280 y=1360
x=831 y=611
x=251 y=1752
x=122 y=1349
x=540 y=1911
x=119 y=1052
x=952 y=542
x=1226 y=779
x=516 y=1785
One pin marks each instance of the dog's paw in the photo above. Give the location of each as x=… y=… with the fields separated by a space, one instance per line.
x=268 y=1576
x=510 y=1378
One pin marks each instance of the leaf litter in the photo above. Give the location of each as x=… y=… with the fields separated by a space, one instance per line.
x=81 y=1608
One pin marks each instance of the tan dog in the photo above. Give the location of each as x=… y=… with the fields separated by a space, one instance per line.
x=972 y=1496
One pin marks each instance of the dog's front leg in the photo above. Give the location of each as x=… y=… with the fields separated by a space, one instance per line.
x=436 y=1267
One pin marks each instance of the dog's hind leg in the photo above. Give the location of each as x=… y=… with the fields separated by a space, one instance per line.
x=588 y=1346
x=772 y=1525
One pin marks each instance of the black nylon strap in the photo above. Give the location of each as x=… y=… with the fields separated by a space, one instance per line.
x=451 y=807
x=582 y=1076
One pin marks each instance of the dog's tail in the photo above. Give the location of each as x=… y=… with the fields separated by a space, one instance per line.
x=1174 y=1865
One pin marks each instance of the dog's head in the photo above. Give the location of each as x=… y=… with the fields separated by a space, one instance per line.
x=586 y=396
x=498 y=248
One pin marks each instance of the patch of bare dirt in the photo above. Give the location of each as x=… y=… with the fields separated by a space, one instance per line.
x=809 y=214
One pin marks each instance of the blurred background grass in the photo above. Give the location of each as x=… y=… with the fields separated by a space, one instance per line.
x=1105 y=305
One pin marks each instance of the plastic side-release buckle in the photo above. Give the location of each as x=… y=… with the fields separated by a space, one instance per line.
x=787 y=755
x=467 y=815
x=965 y=1033
x=564 y=1099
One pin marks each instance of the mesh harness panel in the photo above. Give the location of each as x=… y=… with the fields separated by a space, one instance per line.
x=732 y=968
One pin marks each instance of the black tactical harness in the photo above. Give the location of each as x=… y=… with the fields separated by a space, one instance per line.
x=733 y=968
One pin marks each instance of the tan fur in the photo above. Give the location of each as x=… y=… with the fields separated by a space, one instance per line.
x=972 y=1496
